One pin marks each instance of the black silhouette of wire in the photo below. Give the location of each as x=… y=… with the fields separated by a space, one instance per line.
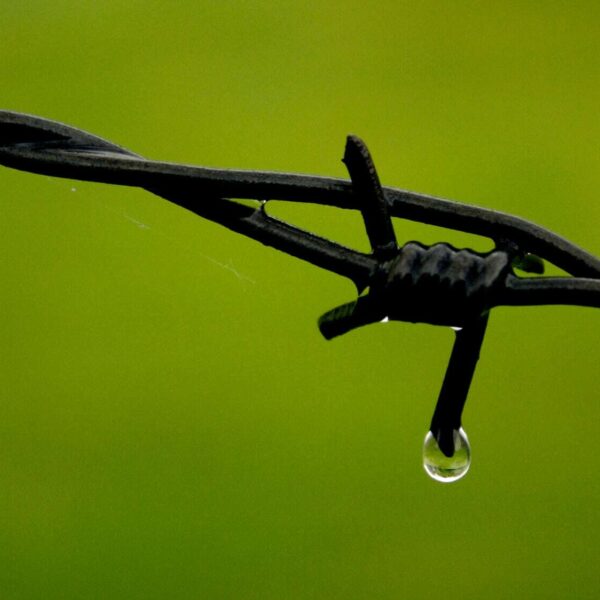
x=438 y=284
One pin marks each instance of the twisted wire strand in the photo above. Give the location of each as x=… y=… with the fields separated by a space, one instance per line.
x=42 y=146
x=438 y=285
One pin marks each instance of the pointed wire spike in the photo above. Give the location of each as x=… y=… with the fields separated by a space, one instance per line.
x=457 y=380
x=371 y=199
x=342 y=319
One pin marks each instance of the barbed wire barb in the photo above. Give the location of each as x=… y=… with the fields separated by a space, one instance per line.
x=439 y=284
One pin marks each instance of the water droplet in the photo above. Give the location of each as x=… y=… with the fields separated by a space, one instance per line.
x=73 y=189
x=385 y=320
x=456 y=328
x=447 y=468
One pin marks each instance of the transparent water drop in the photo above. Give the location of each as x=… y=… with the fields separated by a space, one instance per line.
x=456 y=328
x=447 y=468
x=385 y=320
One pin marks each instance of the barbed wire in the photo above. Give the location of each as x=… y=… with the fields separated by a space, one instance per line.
x=440 y=284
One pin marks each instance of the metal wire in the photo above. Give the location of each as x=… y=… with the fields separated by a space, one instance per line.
x=438 y=285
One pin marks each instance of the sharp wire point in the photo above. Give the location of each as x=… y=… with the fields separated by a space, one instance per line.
x=438 y=284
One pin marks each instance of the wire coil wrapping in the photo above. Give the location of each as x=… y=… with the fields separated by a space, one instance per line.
x=437 y=284
x=441 y=285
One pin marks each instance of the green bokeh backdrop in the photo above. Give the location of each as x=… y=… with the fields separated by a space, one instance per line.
x=171 y=423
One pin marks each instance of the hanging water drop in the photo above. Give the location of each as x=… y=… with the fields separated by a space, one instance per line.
x=447 y=468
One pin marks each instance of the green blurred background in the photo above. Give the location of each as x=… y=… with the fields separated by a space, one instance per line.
x=172 y=425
